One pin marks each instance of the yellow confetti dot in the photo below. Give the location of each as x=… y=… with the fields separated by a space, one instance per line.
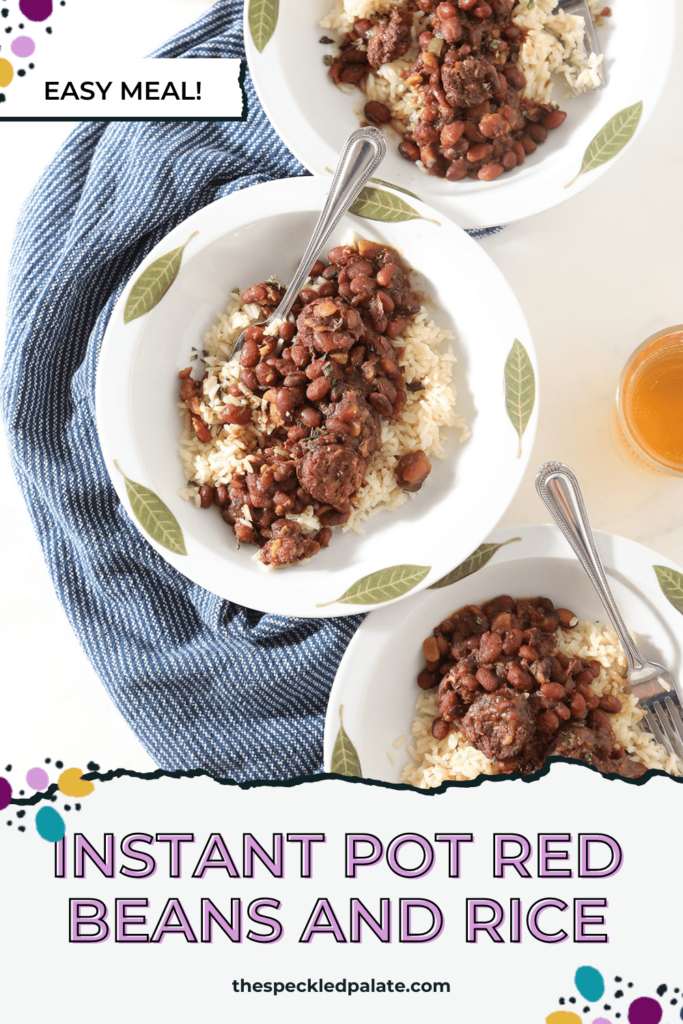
x=71 y=784
x=563 y=1017
x=6 y=72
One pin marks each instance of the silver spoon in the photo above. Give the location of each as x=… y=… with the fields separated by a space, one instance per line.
x=362 y=154
x=650 y=682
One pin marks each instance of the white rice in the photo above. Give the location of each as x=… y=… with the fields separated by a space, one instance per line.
x=428 y=358
x=554 y=44
x=453 y=759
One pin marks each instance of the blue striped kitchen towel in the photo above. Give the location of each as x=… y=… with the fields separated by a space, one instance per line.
x=204 y=683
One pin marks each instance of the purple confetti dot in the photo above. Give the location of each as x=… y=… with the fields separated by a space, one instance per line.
x=601 y=1020
x=36 y=10
x=645 y=1011
x=5 y=793
x=23 y=46
x=37 y=778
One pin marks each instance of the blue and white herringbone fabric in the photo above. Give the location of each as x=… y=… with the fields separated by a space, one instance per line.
x=203 y=682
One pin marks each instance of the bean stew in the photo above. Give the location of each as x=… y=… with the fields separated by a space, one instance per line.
x=513 y=694
x=475 y=121
x=328 y=380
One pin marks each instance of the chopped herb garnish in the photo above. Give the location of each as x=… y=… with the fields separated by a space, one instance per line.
x=192 y=358
x=415 y=385
x=328 y=59
x=530 y=6
x=326 y=40
x=328 y=369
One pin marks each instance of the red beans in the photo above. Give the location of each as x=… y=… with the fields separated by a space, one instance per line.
x=257 y=293
x=221 y=495
x=206 y=496
x=309 y=416
x=286 y=331
x=440 y=729
x=317 y=389
x=536 y=131
x=479 y=152
x=409 y=151
x=236 y=414
x=489 y=172
x=250 y=355
x=317 y=269
x=554 y=119
x=612 y=705
x=377 y=113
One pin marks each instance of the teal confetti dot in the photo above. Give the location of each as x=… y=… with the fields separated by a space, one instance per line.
x=50 y=824
x=590 y=983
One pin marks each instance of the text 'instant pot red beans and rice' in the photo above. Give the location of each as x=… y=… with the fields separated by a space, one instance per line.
x=316 y=403
x=465 y=83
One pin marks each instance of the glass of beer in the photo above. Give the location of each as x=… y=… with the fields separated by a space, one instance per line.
x=650 y=401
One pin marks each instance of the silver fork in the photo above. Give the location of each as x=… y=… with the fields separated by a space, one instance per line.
x=651 y=683
x=362 y=154
x=580 y=7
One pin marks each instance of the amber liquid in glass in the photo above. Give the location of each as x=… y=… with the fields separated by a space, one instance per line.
x=653 y=400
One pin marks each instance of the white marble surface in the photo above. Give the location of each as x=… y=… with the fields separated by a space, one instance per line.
x=595 y=277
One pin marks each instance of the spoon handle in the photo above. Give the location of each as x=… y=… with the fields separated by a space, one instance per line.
x=362 y=154
x=559 y=490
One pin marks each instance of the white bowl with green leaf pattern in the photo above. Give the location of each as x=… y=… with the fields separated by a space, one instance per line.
x=174 y=298
x=375 y=689
x=314 y=117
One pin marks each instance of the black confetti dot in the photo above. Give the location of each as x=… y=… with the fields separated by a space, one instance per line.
x=53 y=798
x=49 y=31
x=586 y=1009
x=607 y=1006
x=9 y=822
x=67 y=807
x=8 y=767
x=571 y=999
x=77 y=806
x=630 y=984
x=561 y=1000
x=22 y=828
x=93 y=767
x=47 y=760
x=21 y=814
x=677 y=990
x=617 y=1015
x=673 y=1002
x=21 y=25
x=8 y=29
x=617 y=979
x=59 y=764
x=21 y=72
x=21 y=792
x=4 y=12
x=618 y=994
x=661 y=989
x=31 y=66
x=2 y=97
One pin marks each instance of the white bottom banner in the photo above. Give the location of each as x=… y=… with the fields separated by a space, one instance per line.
x=509 y=900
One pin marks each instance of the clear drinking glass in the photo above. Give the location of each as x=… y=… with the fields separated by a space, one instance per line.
x=650 y=401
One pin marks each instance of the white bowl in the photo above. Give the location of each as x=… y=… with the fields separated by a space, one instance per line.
x=377 y=679
x=314 y=117
x=241 y=240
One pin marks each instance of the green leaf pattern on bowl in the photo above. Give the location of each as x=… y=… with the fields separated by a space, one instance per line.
x=476 y=561
x=345 y=759
x=153 y=283
x=155 y=518
x=263 y=15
